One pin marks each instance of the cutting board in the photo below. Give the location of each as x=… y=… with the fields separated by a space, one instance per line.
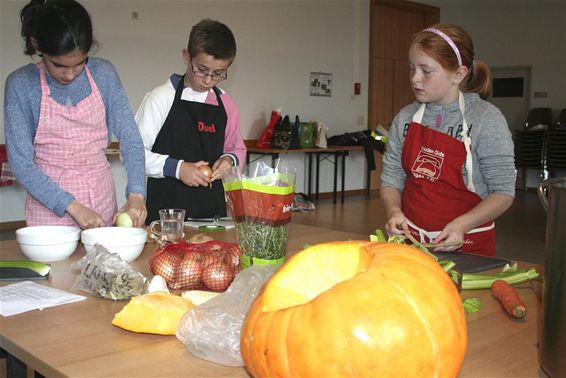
x=468 y=263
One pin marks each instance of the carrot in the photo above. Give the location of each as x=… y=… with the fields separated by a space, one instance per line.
x=509 y=299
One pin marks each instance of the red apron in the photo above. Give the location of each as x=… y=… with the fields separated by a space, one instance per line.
x=70 y=145
x=435 y=192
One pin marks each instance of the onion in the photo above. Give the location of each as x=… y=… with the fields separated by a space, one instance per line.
x=217 y=276
x=188 y=272
x=183 y=264
x=206 y=170
x=232 y=257
x=164 y=265
x=210 y=257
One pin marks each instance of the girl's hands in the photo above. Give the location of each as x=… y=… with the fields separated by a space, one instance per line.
x=85 y=217
x=135 y=207
x=397 y=223
x=452 y=232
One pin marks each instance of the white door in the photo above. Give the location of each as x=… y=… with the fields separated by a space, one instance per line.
x=511 y=88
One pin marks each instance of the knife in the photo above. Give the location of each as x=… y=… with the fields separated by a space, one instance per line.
x=208 y=220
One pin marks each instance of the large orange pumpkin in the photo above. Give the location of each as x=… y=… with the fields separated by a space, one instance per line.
x=356 y=309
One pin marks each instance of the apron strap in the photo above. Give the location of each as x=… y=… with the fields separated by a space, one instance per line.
x=465 y=134
x=430 y=235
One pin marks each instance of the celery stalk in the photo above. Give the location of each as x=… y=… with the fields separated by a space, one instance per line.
x=481 y=281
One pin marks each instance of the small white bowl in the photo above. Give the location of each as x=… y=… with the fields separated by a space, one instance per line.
x=128 y=242
x=48 y=243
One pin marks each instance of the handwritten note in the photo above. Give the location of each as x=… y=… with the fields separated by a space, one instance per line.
x=27 y=295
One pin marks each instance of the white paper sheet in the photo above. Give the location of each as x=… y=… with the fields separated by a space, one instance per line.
x=27 y=295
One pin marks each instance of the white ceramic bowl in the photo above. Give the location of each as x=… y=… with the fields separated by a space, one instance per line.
x=128 y=242
x=48 y=243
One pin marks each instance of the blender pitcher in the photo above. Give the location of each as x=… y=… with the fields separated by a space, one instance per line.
x=552 y=334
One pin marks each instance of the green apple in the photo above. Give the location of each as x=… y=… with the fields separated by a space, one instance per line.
x=124 y=220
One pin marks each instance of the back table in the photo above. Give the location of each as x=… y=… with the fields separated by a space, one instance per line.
x=325 y=153
x=78 y=339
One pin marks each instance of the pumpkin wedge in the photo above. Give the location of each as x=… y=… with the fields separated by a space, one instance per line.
x=157 y=313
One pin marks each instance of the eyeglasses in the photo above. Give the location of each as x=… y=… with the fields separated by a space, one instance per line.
x=199 y=72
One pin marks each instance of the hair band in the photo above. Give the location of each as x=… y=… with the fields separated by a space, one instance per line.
x=448 y=40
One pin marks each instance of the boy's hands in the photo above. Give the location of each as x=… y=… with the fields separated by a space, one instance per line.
x=191 y=176
x=221 y=167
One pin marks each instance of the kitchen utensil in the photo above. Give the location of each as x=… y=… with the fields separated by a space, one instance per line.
x=552 y=335
x=442 y=244
x=48 y=243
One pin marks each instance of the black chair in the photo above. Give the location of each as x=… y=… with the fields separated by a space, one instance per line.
x=556 y=146
x=530 y=143
x=539 y=116
x=561 y=122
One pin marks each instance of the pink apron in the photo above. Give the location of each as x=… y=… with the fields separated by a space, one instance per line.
x=435 y=192
x=69 y=148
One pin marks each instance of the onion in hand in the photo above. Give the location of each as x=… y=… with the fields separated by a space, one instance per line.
x=207 y=172
x=124 y=220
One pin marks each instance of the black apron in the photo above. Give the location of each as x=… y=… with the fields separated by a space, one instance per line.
x=192 y=131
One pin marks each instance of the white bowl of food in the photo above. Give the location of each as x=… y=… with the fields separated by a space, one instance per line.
x=128 y=242
x=48 y=243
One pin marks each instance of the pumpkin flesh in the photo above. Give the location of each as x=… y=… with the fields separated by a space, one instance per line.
x=157 y=313
x=397 y=313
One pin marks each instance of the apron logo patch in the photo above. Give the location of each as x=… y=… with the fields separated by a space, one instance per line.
x=428 y=164
x=204 y=128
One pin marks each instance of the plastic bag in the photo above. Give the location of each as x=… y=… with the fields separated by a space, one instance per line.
x=321 y=132
x=282 y=134
x=105 y=274
x=261 y=205
x=211 y=331
x=308 y=134
x=266 y=136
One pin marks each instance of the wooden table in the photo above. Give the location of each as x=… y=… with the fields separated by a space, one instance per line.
x=78 y=339
x=335 y=151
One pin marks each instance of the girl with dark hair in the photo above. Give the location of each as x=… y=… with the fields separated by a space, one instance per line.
x=59 y=118
x=449 y=170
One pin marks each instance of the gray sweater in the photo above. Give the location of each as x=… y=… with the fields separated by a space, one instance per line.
x=21 y=113
x=492 y=144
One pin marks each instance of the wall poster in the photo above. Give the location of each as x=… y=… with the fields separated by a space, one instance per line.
x=321 y=84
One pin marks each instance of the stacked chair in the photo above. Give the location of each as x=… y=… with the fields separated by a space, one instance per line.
x=556 y=146
x=530 y=143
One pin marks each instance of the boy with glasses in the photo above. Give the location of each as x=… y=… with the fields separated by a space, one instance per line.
x=188 y=123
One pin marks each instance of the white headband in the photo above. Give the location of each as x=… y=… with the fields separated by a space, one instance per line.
x=448 y=40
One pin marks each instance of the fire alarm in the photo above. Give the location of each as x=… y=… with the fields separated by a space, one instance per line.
x=357 y=88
